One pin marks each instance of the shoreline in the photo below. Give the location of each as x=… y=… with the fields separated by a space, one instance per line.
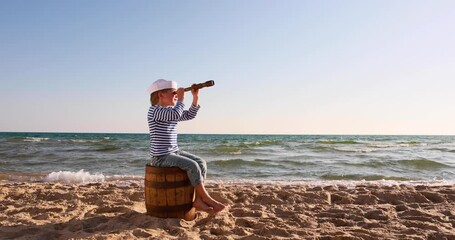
x=255 y=211
x=85 y=177
x=138 y=179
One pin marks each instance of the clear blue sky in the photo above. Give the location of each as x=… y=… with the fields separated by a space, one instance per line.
x=291 y=67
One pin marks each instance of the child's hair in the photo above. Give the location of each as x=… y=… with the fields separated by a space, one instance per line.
x=154 y=98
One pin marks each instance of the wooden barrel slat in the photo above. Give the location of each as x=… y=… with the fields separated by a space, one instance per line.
x=167 y=209
x=182 y=183
x=168 y=193
x=170 y=197
x=180 y=191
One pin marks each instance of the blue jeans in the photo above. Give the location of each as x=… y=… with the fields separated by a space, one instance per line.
x=195 y=167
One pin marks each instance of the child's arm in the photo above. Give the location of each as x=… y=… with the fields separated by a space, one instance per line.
x=191 y=113
x=168 y=113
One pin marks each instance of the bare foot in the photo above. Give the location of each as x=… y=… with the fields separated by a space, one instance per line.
x=202 y=206
x=202 y=194
x=217 y=206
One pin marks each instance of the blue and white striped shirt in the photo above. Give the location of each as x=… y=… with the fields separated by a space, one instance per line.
x=163 y=126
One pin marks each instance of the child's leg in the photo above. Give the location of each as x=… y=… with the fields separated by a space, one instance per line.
x=202 y=197
x=190 y=166
x=201 y=162
x=203 y=201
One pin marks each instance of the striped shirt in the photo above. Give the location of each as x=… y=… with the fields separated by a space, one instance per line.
x=163 y=126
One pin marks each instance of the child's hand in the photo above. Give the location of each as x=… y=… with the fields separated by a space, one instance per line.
x=180 y=94
x=195 y=92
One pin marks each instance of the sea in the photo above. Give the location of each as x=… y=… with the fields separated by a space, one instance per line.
x=108 y=157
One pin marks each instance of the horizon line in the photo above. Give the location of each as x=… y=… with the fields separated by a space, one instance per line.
x=290 y=134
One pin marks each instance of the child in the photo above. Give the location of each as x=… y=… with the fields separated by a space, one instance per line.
x=164 y=114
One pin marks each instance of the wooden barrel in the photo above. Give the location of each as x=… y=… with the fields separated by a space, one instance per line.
x=168 y=193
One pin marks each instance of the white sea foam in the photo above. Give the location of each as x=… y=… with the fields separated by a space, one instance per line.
x=82 y=140
x=347 y=183
x=356 y=150
x=74 y=177
x=35 y=139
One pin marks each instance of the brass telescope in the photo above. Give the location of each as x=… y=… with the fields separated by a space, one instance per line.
x=209 y=83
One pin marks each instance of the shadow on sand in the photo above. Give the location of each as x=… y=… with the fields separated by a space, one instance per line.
x=133 y=224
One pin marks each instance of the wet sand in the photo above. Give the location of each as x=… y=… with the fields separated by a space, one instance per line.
x=256 y=211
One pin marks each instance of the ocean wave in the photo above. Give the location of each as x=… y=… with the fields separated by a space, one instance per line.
x=19 y=155
x=74 y=177
x=381 y=145
x=35 y=139
x=264 y=143
x=362 y=177
x=323 y=149
x=443 y=150
x=80 y=140
x=239 y=163
x=229 y=149
x=294 y=163
x=244 y=147
x=368 y=164
x=322 y=183
x=21 y=177
x=352 y=150
x=397 y=144
x=328 y=141
x=422 y=164
x=26 y=139
x=411 y=144
x=109 y=148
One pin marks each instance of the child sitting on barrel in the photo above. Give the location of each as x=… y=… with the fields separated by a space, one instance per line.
x=166 y=111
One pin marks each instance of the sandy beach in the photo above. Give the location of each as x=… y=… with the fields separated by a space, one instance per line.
x=256 y=211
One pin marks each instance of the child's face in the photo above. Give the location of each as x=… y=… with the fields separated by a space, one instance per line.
x=169 y=97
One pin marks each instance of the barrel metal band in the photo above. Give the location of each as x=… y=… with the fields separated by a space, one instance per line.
x=168 y=209
x=167 y=184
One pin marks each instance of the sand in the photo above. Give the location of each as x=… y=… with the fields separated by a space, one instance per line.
x=256 y=211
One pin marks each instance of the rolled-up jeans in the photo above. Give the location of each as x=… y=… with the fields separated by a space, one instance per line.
x=195 y=167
